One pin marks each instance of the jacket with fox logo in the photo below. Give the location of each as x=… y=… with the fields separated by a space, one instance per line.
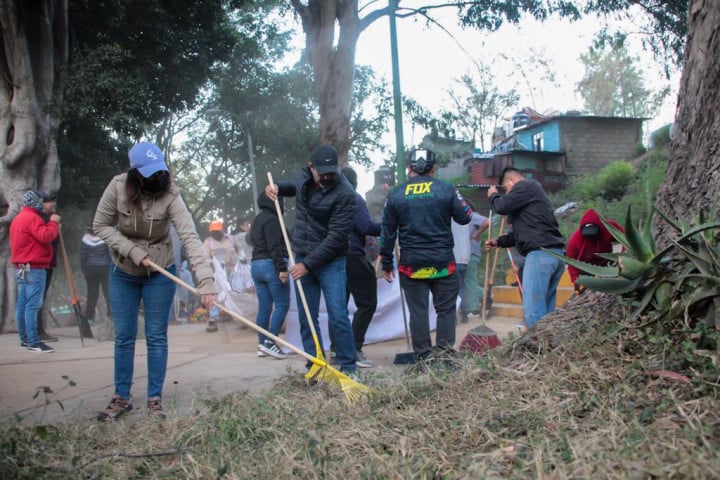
x=420 y=210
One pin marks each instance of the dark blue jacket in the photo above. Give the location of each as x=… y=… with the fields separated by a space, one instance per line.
x=362 y=227
x=531 y=215
x=421 y=209
x=93 y=252
x=323 y=218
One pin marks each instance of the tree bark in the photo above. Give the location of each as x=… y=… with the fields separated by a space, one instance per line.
x=333 y=64
x=692 y=181
x=33 y=58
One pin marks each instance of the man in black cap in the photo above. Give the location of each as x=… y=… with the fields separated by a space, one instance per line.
x=534 y=228
x=324 y=215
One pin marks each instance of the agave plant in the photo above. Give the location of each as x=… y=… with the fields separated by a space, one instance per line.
x=651 y=279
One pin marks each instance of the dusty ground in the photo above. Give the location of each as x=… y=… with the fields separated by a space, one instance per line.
x=200 y=365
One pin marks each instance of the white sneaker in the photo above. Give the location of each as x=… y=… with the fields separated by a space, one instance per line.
x=260 y=352
x=271 y=348
x=362 y=361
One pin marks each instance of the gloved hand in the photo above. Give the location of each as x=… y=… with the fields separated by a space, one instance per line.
x=579 y=289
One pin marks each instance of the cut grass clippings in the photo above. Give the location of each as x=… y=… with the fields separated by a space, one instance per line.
x=566 y=400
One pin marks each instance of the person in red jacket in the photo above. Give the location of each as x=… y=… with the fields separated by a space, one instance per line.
x=31 y=248
x=587 y=241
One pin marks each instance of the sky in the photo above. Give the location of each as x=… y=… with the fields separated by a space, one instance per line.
x=429 y=60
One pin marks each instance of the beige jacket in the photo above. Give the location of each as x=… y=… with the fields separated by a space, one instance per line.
x=132 y=235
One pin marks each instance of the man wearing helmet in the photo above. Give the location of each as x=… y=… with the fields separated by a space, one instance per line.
x=418 y=214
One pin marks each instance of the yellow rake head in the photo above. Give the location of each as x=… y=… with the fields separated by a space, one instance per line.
x=320 y=371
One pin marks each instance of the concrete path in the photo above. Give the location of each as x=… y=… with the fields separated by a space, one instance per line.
x=200 y=365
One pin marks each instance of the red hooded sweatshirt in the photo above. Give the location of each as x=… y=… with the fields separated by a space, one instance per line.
x=586 y=248
x=31 y=239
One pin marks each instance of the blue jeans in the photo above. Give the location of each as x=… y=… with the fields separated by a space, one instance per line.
x=541 y=276
x=31 y=289
x=269 y=290
x=156 y=293
x=331 y=280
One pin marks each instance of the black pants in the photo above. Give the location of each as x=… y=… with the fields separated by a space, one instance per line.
x=444 y=291
x=96 y=276
x=362 y=285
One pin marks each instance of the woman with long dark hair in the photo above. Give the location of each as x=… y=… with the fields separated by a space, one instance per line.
x=134 y=218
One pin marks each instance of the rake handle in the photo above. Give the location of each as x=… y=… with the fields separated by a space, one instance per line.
x=497 y=252
x=298 y=282
x=487 y=272
x=236 y=315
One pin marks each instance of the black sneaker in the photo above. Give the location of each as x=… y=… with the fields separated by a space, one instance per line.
x=46 y=337
x=40 y=347
x=115 y=408
x=24 y=344
x=270 y=348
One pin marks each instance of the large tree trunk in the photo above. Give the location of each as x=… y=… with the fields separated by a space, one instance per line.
x=692 y=181
x=33 y=58
x=334 y=64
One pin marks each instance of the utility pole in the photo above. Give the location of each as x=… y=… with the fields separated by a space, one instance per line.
x=397 y=96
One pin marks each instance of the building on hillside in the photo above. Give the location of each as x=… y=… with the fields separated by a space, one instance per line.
x=556 y=148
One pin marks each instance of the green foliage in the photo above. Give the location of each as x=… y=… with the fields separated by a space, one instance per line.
x=660 y=138
x=613 y=84
x=614 y=178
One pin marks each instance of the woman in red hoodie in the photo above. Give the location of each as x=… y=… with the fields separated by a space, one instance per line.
x=587 y=241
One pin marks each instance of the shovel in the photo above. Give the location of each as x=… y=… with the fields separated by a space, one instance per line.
x=83 y=324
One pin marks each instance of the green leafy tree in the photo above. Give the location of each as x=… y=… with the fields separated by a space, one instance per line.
x=126 y=67
x=479 y=104
x=613 y=84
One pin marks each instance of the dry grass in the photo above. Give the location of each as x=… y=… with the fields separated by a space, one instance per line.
x=567 y=401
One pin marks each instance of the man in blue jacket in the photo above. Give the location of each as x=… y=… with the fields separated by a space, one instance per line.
x=419 y=213
x=324 y=214
x=361 y=279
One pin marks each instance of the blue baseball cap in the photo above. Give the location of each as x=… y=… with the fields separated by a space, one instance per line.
x=147 y=158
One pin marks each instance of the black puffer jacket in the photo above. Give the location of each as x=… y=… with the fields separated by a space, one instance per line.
x=266 y=236
x=323 y=218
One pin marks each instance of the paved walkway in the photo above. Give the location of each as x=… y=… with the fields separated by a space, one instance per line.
x=200 y=365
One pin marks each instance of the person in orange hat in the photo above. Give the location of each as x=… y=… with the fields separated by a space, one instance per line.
x=223 y=248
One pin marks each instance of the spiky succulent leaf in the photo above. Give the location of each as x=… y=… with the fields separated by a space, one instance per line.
x=631 y=268
x=616 y=286
x=663 y=295
x=679 y=226
x=639 y=247
x=596 y=270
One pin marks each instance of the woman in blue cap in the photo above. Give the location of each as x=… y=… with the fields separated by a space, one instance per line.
x=134 y=217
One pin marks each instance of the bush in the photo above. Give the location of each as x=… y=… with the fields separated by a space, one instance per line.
x=660 y=138
x=614 y=179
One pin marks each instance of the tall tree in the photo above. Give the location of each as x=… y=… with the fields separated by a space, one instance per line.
x=479 y=103
x=131 y=64
x=692 y=181
x=332 y=28
x=613 y=84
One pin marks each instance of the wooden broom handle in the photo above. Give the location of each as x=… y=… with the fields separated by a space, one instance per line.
x=233 y=314
x=298 y=283
x=497 y=252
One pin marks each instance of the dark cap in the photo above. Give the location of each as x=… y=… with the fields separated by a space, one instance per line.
x=325 y=160
x=590 y=230
x=47 y=197
x=505 y=171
